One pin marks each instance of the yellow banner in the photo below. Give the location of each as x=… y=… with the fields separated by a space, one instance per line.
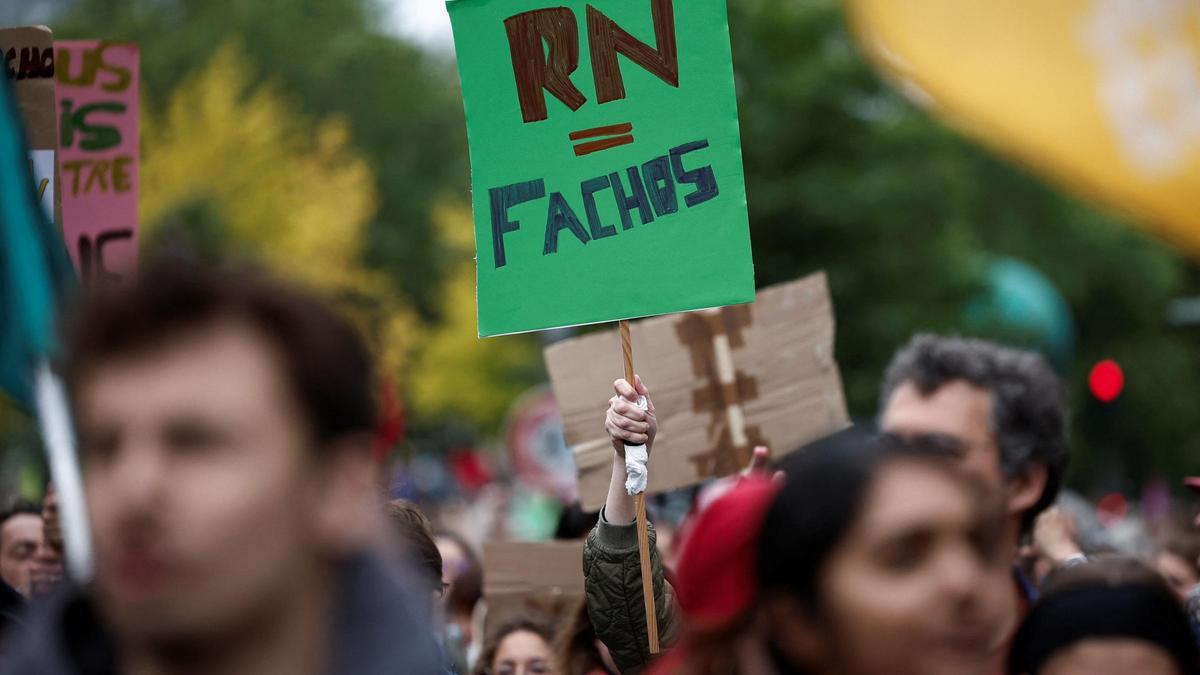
x=1103 y=95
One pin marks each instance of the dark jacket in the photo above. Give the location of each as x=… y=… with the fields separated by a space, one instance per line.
x=12 y=610
x=612 y=577
x=378 y=630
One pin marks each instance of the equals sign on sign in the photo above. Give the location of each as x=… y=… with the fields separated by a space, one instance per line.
x=609 y=136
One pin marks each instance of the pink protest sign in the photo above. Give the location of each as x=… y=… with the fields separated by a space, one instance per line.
x=97 y=92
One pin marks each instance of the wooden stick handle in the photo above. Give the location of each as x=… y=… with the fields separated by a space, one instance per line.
x=643 y=528
x=627 y=351
x=639 y=501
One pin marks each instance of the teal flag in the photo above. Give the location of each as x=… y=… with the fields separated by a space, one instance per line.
x=606 y=163
x=34 y=269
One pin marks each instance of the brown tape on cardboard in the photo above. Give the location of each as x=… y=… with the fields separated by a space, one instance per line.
x=784 y=385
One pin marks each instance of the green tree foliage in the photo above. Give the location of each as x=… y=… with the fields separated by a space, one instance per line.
x=329 y=57
x=295 y=195
x=456 y=375
x=232 y=171
x=245 y=149
x=843 y=174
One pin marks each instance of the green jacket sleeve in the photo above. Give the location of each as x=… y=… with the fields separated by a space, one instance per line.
x=613 y=585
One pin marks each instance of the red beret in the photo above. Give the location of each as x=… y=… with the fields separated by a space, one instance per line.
x=715 y=578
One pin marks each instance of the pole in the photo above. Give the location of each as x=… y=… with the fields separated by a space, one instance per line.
x=639 y=502
x=54 y=418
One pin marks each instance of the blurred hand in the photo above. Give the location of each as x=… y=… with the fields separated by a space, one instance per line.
x=1054 y=535
x=625 y=422
x=757 y=468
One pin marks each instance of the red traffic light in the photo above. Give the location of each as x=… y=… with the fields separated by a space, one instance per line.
x=1106 y=380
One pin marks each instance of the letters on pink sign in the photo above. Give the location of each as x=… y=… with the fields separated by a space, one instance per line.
x=96 y=87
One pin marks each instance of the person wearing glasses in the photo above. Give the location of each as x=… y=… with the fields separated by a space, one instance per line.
x=417 y=551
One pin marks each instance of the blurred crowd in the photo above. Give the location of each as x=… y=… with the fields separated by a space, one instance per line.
x=240 y=525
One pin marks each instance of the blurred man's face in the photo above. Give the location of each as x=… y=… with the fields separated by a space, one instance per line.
x=956 y=411
x=958 y=416
x=202 y=488
x=19 y=541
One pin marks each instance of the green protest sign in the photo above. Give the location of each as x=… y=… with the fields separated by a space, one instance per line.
x=605 y=159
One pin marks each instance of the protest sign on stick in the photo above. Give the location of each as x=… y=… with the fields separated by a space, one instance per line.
x=606 y=164
x=98 y=155
x=605 y=160
x=512 y=586
x=28 y=54
x=722 y=382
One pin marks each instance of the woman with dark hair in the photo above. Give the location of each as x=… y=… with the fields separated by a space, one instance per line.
x=1112 y=615
x=416 y=549
x=882 y=559
x=872 y=558
x=520 y=646
x=417 y=555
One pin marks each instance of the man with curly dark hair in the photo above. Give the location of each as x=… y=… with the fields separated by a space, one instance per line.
x=996 y=410
x=998 y=413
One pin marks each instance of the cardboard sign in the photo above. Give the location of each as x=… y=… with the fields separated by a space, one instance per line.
x=722 y=381
x=544 y=577
x=1103 y=95
x=98 y=155
x=42 y=163
x=28 y=54
x=605 y=160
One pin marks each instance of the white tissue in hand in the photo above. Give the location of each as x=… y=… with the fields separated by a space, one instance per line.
x=635 y=461
x=636 y=457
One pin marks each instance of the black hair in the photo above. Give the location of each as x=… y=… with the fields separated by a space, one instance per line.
x=20 y=507
x=324 y=360
x=416 y=534
x=825 y=487
x=1115 y=597
x=1028 y=416
x=534 y=623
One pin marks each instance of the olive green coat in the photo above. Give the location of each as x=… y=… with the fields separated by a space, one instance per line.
x=613 y=585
